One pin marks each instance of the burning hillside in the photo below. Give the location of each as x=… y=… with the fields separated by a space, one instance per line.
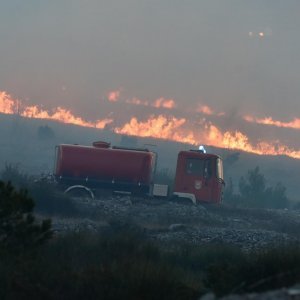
x=201 y=125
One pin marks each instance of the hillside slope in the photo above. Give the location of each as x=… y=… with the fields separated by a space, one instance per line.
x=21 y=144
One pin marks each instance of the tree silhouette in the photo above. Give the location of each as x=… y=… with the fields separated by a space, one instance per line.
x=229 y=196
x=19 y=231
x=45 y=133
x=254 y=193
x=252 y=188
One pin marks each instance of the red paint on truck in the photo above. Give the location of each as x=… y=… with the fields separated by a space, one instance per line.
x=103 y=166
x=201 y=175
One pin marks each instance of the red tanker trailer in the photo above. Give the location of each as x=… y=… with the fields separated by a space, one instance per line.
x=102 y=166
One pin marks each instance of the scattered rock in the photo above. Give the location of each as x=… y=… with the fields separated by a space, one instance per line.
x=168 y=221
x=177 y=227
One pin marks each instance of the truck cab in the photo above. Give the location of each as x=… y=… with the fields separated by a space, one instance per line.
x=199 y=177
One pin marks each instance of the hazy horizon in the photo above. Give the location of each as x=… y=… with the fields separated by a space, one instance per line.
x=218 y=72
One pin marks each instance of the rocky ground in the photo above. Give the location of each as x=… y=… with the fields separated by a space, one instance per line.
x=167 y=221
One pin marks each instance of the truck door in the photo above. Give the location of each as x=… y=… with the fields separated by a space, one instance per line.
x=219 y=183
x=198 y=178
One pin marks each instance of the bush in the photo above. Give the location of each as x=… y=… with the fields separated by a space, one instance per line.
x=255 y=272
x=12 y=173
x=19 y=230
x=254 y=193
x=123 y=264
x=229 y=195
x=253 y=187
x=93 y=267
x=45 y=133
x=48 y=198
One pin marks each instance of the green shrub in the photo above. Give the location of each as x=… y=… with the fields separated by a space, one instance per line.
x=52 y=201
x=45 y=133
x=254 y=193
x=123 y=264
x=273 y=268
x=99 y=267
x=19 y=230
x=256 y=271
x=12 y=173
x=48 y=198
x=229 y=196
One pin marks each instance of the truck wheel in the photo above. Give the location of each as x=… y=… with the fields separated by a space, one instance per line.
x=79 y=191
x=181 y=200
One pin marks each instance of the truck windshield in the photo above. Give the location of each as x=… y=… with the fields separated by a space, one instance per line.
x=199 y=167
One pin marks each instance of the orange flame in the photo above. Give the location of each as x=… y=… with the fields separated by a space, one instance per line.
x=113 y=96
x=62 y=115
x=158 y=127
x=206 y=110
x=136 y=101
x=7 y=104
x=165 y=103
x=295 y=124
x=238 y=140
x=10 y=106
x=171 y=128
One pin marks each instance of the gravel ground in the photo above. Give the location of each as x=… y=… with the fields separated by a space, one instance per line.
x=166 y=221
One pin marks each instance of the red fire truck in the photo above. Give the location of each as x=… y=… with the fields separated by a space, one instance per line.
x=199 y=176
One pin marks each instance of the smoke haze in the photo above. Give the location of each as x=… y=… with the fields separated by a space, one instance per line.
x=225 y=73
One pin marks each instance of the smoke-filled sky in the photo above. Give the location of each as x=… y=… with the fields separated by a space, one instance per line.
x=236 y=62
